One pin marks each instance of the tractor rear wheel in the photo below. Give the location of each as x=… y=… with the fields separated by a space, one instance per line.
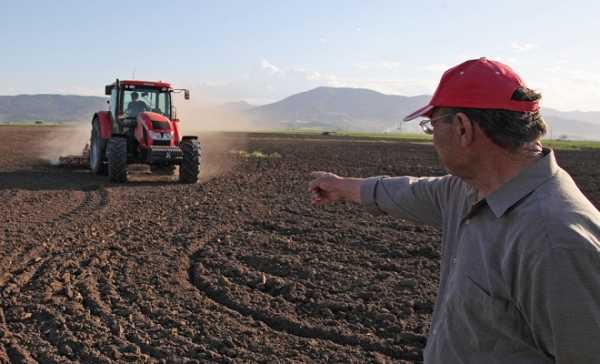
x=190 y=165
x=97 y=150
x=116 y=153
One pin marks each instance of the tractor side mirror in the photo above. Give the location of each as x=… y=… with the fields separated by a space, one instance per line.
x=186 y=94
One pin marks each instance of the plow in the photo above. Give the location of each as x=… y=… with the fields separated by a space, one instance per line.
x=140 y=127
x=76 y=161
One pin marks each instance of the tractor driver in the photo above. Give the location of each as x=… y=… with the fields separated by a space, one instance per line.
x=136 y=106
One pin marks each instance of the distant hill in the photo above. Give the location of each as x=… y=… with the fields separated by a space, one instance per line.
x=53 y=108
x=323 y=108
x=337 y=108
x=357 y=109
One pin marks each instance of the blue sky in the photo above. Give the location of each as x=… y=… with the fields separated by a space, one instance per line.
x=263 y=51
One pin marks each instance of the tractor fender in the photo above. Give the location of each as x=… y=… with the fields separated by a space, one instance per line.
x=105 y=121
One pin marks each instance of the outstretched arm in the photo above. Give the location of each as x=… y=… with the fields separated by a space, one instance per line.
x=420 y=199
x=328 y=188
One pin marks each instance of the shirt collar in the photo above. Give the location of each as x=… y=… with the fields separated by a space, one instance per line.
x=522 y=184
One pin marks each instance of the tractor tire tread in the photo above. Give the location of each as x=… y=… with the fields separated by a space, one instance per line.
x=190 y=165
x=101 y=168
x=117 y=159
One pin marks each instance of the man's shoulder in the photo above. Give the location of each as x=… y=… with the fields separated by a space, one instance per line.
x=560 y=214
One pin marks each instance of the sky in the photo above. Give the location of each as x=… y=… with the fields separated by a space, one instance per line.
x=264 y=51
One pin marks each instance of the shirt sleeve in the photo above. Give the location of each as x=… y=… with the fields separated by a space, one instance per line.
x=420 y=199
x=560 y=297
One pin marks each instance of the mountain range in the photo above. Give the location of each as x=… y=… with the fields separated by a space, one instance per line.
x=322 y=108
x=367 y=110
x=51 y=108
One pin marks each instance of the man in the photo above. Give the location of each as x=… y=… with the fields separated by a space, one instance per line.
x=136 y=106
x=520 y=265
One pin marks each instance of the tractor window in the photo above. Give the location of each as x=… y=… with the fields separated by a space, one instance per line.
x=138 y=100
x=164 y=103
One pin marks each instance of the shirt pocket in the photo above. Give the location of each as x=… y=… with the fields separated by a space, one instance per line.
x=485 y=323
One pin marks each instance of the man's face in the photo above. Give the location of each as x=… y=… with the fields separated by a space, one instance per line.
x=445 y=141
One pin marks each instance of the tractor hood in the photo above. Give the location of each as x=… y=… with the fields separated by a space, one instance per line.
x=154 y=121
x=156 y=129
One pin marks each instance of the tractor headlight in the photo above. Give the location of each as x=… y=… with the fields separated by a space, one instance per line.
x=166 y=135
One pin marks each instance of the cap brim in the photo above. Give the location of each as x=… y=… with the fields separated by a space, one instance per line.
x=424 y=111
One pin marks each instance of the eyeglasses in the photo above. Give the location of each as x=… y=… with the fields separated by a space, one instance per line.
x=427 y=125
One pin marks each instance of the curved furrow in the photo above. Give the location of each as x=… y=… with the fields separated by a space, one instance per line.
x=69 y=336
x=150 y=325
x=17 y=354
x=54 y=284
x=24 y=264
x=317 y=288
x=227 y=294
x=128 y=316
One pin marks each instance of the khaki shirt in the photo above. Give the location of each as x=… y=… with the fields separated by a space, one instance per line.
x=520 y=269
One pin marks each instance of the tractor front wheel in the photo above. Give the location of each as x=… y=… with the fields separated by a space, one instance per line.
x=190 y=165
x=97 y=150
x=116 y=153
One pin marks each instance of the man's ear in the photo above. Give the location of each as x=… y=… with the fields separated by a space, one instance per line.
x=464 y=129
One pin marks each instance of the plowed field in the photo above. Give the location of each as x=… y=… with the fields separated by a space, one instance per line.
x=238 y=268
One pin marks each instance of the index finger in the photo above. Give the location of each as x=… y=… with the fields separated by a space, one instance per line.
x=318 y=174
x=314 y=184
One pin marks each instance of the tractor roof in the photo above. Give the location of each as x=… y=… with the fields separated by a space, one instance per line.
x=157 y=84
x=138 y=83
x=164 y=86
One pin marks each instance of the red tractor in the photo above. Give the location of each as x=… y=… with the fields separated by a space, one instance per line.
x=142 y=127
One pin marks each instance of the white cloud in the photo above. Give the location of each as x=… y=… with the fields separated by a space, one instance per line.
x=438 y=68
x=553 y=69
x=266 y=65
x=384 y=64
x=323 y=40
x=568 y=89
x=522 y=47
x=296 y=79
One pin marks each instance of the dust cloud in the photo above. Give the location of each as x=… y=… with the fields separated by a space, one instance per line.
x=209 y=122
x=65 y=140
x=197 y=117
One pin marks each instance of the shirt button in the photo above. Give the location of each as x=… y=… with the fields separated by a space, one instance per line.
x=453 y=260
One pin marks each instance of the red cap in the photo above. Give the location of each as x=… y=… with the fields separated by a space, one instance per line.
x=477 y=84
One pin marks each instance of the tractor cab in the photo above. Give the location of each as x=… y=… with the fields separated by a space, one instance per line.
x=129 y=98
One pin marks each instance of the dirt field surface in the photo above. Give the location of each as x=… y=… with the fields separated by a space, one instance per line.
x=239 y=268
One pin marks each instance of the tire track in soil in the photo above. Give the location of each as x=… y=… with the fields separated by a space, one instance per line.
x=118 y=311
x=76 y=297
x=21 y=272
x=30 y=260
x=84 y=303
x=218 y=289
x=118 y=314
